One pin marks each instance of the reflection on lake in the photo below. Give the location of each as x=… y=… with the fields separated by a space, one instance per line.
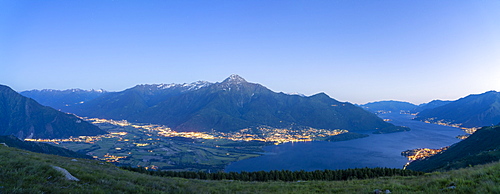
x=377 y=150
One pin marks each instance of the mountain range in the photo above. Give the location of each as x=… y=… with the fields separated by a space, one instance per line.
x=61 y=99
x=230 y=105
x=235 y=104
x=390 y=105
x=430 y=105
x=25 y=118
x=129 y=103
x=398 y=106
x=475 y=110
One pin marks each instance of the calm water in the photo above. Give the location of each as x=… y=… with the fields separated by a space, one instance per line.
x=382 y=150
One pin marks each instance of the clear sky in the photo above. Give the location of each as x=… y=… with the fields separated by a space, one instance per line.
x=356 y=51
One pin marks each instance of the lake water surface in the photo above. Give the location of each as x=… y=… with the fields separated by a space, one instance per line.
x=377 y=150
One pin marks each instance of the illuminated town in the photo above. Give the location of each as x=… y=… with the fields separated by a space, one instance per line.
x=456 y=125
x=269 y=134
x=84 y=139
x=159 y=147
x=156 y=146
x=111 y=158
x=421 y=153
x=266 y=134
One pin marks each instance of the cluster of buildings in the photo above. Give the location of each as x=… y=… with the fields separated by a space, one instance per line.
x=421 y=153
x=456 y=125
x=267 y=134
x=84 y=139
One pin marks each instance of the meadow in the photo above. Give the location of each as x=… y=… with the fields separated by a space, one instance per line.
x=27 y=172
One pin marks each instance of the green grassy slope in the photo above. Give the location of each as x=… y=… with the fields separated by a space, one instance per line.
x=27 y=172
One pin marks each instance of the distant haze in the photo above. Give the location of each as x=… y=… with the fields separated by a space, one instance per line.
x=356 y=51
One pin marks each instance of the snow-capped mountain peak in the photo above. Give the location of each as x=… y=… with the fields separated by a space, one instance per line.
x=236 y=79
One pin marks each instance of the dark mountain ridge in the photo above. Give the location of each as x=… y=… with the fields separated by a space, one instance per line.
x=236 y=104
x=390 y=105
x=430 y=105
x=475 y=110
x=25 y=118
x=230 y=105
x=130 y=102
x=397 y=106
x=61 y=99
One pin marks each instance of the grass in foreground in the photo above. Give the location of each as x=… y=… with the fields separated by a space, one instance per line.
x=28 y=172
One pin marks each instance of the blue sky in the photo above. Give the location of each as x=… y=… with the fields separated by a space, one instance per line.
x=356 y=51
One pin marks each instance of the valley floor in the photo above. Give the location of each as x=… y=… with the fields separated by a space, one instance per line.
x=27 y=172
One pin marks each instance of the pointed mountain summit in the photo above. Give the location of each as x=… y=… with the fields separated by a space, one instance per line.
x=234 y=82
x=25 y=118
x=226 y=106
x=236 y=79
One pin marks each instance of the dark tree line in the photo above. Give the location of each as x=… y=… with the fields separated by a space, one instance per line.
x=284 y=175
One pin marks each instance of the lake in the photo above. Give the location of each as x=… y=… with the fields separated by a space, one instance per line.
x=377 y=150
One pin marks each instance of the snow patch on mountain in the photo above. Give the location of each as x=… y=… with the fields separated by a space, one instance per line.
x=73 y=90
x=186 y=86
x=296 y=94
x=234 y=79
